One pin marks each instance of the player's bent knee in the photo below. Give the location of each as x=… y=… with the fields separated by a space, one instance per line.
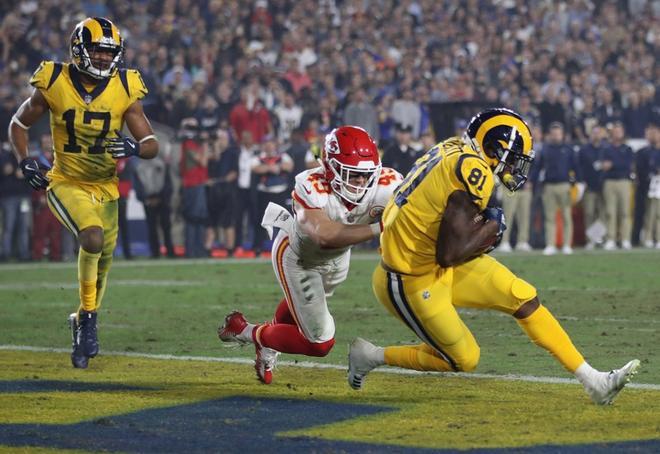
x=91 y=239
x=322 y=348
x=470 y=362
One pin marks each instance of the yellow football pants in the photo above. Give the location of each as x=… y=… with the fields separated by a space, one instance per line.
x=78 y=208
x=427 y=305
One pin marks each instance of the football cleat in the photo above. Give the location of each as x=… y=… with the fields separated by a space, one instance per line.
x=265 y=363
x=361 y=361
x=78 y=358
x=88 y=339
x=235 y=323
x=604 y=386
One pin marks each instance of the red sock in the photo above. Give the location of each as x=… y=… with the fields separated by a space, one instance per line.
x=289 y=339
x=283 y=314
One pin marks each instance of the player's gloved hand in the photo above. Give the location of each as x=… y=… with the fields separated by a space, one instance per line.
x=495 y=214
x=32 y=173
x=121 y=146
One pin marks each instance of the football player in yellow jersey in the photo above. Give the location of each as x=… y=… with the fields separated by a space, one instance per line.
x=89 y=101
x=436 y=236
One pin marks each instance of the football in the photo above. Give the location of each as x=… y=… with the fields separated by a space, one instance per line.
x=479 y=221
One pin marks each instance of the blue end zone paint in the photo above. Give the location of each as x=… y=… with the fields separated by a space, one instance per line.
x=38 y=386
x=234 y=424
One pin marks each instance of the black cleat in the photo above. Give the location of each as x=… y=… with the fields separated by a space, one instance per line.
x=88 y=339
x=78 y=358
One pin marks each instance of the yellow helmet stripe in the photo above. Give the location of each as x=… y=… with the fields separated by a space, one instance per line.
x=506 y=120
x=95 y=30
x=115 y=34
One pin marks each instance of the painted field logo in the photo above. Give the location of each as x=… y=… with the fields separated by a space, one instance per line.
x=232 y=424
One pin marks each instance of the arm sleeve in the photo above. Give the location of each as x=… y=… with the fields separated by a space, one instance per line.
x=137 y=88
x=477 y=179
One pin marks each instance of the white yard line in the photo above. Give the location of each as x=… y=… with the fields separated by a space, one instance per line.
x=114 y=283
x=313 y=365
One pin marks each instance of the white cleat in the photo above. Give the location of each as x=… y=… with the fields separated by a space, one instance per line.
x=363 y=357
x=550 y=250
x=604 y=386
x=523 y=247
x=505 y=246
x=567 y=250
x=610 y=245
x=266 y=359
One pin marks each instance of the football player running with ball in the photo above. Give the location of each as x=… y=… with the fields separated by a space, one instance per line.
x=437 y=233
x=336 y=205
x=89 y=101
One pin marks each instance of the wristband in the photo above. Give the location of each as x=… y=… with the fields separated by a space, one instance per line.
x=376 y=228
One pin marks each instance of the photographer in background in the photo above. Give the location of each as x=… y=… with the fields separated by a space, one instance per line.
x=194 y=175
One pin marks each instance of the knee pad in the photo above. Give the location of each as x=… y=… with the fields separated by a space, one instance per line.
x=522 y=290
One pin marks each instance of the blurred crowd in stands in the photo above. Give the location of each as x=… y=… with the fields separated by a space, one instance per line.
x=244 y=91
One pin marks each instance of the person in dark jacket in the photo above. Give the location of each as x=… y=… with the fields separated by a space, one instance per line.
x=652 y=224
x=647 y=166
x=557 y=168
x=590 y=158
x=401 y=154
x=618 y=167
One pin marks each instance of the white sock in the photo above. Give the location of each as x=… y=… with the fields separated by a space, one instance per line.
x=379 y=355
x=246 y=334
x=585 y=372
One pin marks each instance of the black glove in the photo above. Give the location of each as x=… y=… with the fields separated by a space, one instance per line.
x=33 y=175
x=122 y=147
x=495 y=214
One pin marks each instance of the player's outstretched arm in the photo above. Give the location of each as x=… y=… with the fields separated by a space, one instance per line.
x=140 y=128
x=331 y=234
x=463 y=233
x=27 y=114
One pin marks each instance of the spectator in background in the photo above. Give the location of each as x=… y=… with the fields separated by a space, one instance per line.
x=618 y=167
x=222 y=192
x=153 y=187
x=652 y=221
x=45 y=226
x=607 y=110
x=125 y=174
x=249 y=114
x=272 y=169
x=557 y=168
x=590 y=158
x=299 y=151
x=360 y=112
x=643 y=176
x=517 y=208
x=289 y=115
x=402 y=153
x=15 y=204
x=407 y=111
x=194 y=175
x=245 y=212
x=636 y=116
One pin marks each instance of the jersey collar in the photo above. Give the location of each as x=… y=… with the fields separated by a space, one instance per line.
x=85 y=95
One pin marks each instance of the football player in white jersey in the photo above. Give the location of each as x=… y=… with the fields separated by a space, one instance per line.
x=336 y=205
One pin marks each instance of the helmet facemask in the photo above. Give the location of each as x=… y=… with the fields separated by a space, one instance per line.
x=513 y=166
x=346 y=180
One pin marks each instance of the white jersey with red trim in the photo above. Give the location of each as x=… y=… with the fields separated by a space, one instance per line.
x=312 y=191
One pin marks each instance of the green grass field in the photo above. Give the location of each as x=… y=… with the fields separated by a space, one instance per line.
x=608 y=303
